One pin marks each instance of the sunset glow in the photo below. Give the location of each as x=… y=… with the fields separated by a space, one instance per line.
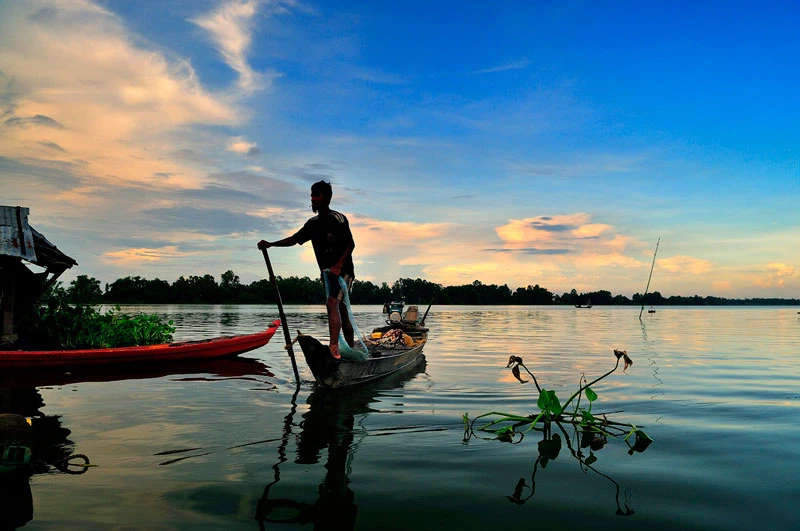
x=512 y=144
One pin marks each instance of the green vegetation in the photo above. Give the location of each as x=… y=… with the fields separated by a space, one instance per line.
x=55 y=324
x=304 y=290
x=582 y=430
x=507 y=427
x=590 y=430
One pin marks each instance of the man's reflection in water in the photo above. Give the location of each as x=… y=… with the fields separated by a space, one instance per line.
x=329 y=423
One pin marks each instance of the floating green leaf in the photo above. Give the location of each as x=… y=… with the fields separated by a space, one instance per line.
x=548 y=401
x=590 y=395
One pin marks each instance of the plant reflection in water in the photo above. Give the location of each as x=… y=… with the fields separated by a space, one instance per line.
x=590 y=430
x=329 y=423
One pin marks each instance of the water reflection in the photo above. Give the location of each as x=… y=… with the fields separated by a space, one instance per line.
x=225 y=368
x=50 y=452
x=329 y=424
x=578 y=444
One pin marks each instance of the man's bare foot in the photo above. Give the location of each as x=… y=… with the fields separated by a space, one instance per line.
x=335 y=352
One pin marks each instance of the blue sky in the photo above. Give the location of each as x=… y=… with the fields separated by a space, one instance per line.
x=515 y=143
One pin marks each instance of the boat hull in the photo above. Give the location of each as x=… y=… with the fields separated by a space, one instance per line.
x=182 y=351
x=333 y=373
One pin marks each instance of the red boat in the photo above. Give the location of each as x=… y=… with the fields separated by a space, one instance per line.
x=217 y=347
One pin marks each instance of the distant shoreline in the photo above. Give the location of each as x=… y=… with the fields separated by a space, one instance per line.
x=304 y=290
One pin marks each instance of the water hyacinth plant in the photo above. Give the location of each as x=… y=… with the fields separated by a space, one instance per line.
x=591 y=431
x=512 y=428
x=59 y=325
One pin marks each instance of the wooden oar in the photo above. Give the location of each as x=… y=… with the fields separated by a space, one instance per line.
x=282 y=315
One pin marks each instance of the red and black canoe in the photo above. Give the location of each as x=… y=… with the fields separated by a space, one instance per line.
x=218 y=347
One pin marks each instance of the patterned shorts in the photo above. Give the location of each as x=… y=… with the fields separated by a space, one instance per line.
x=336 y=288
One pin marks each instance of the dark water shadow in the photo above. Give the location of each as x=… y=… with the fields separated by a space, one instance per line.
x=51 y=452
x=328 y=425
x=224 y=368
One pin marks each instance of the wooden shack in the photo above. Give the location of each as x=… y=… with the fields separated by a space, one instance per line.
x=20 y=286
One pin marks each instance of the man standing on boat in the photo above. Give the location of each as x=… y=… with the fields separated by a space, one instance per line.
x=329 y=232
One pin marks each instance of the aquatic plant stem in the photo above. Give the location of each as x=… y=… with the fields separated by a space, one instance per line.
x=532 y=376
x=583 y=387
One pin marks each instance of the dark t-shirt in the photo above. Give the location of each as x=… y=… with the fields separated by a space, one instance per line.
x=330 y=235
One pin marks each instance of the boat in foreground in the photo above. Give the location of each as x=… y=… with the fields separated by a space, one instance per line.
x=218 y=347
x=383 y=359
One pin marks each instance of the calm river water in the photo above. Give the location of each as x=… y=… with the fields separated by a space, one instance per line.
x=235 y=445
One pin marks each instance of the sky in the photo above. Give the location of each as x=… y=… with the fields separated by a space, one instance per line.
x=518 y=143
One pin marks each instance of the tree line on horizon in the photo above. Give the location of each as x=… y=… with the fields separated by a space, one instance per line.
x=304 y=290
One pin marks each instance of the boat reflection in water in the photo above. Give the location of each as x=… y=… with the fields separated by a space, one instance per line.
x=50 y=452
x=233 y=367
x=329 y=423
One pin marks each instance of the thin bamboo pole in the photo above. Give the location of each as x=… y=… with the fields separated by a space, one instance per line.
x=648 y=278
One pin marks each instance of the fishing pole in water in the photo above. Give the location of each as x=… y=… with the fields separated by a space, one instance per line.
x=648 y=278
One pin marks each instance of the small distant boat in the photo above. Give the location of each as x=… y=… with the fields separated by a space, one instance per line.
x=651 y=310
x=587 y=305
x=218 y=347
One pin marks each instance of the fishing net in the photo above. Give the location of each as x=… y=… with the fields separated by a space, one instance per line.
x=359 y=350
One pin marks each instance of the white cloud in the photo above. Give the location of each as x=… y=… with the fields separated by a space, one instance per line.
x=118 y=106
x=230 y=26
x=685 y=264
x=240 y=145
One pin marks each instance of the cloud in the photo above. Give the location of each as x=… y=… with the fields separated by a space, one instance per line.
x=38 y=120
x=591 y=164
x=143 y=254
x=240 y=145
x=77 y=79
x=551 y=232
x=52 y=145
x=230 y=26
x=372 y=235
x=203 y=220
x=685 y=264
x=518 y=64
x=775 y=276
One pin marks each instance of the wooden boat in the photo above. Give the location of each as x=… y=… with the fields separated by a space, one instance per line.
x=651 y=310
x=381 y=361
x=218 y=347
x=588 y=304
